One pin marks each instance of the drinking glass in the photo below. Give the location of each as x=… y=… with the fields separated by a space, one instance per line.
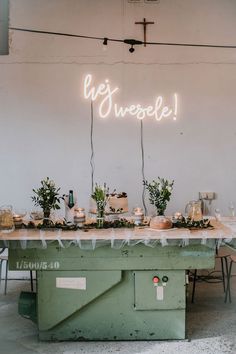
x=217 y=214
x=231 y=209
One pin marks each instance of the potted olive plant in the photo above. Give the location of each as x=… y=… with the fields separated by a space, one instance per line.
x=159 y=194
x=47 y=197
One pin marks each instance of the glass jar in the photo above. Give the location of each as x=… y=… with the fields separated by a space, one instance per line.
x=6 y=218
x=194 y=210
x=138 y=216
x=79 y=216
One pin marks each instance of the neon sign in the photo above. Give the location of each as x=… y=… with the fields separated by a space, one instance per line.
x=104 y=93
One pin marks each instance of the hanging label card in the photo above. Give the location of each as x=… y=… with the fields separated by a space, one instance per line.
x=78 y=283
x=160 y=293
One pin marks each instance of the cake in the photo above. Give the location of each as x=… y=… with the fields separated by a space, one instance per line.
x=117 y=203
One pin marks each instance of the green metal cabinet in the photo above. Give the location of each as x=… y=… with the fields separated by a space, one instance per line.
x=110 y=294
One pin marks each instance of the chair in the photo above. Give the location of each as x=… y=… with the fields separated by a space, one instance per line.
x=2 y=260
x=5 y=259
x=228 y=288
x=224 y=273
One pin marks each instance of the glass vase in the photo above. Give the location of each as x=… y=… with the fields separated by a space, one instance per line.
x=100 y=217
x=160 y=211
x=46 y=217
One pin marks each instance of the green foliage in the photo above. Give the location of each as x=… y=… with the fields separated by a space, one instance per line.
x=188 y=223
x=100 y=195
x=65 y=226
x=159 y=193
x=116 y=224
x=47 y=196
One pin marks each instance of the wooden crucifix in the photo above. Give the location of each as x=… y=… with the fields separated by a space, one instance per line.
x=144 y=23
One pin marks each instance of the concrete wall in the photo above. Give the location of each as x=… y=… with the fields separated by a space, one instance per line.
x=45 y=121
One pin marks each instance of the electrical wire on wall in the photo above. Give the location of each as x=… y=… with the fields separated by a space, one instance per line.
x=131 y=42
x=92 y=147
x=143 y=167
x=92 y=164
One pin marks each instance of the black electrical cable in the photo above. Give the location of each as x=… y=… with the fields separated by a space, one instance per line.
x=65 y=34
x=192 y=45
x=143 y=167
x=92 y=149
x=126 y=41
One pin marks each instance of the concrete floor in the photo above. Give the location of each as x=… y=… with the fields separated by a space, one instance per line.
x=211 y=328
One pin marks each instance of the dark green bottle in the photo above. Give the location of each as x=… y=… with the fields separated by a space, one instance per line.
x=71 y=202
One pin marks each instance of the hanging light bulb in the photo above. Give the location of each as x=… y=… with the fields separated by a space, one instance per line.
x=132 y=42
x=105 y=41
x=131 y=49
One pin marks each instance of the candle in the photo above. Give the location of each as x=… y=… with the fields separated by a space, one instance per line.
x=17 y=217
x=178 y=216
x=79 y=216
x=138 y=211
x=138 y=216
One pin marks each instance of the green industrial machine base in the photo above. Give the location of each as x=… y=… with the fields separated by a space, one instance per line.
x=132 y=293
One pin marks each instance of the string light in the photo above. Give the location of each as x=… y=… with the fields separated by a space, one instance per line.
x=131 y=42
x=131 y=49
x=105 y=40
x=104 y=47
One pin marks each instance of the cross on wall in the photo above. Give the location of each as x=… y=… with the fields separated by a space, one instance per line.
x=144 y=23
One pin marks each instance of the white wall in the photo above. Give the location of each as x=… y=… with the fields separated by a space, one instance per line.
x=44 y=120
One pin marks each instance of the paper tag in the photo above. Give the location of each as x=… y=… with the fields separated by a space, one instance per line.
x=71 y=283
x=160 y=292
